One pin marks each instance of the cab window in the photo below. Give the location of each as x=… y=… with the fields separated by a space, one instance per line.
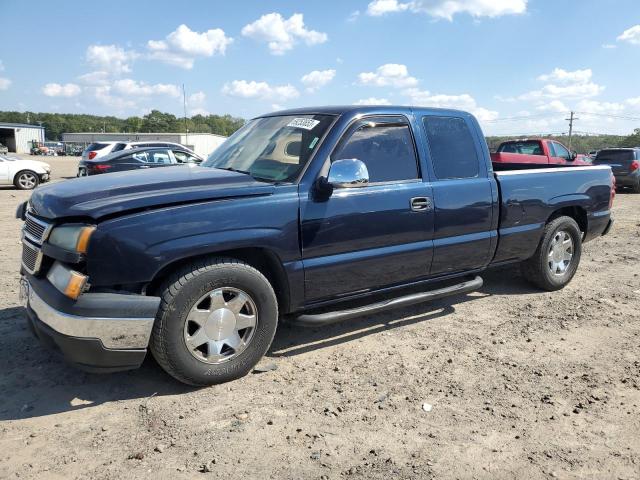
x=386 y=148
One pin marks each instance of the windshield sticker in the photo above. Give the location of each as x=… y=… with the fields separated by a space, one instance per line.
x=306 y=123
x=313 y=143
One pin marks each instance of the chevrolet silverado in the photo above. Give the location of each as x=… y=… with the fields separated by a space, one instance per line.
x=315 y=215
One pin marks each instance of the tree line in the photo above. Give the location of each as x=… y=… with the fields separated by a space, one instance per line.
x=56 y=124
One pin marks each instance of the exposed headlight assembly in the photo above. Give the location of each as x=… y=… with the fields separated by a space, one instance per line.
x=74 y=238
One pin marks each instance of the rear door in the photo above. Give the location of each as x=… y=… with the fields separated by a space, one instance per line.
x=464 y=195
x=360 y=239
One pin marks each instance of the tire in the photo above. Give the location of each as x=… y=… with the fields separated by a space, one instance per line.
x=191 y=291
x=636 y=187
x=543 y=269
x=26 y=180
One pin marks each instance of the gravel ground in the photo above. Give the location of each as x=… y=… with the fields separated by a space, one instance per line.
x=518 y=384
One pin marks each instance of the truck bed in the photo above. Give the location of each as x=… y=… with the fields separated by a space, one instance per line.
x=529 y=197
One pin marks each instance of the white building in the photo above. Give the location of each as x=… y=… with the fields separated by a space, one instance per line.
x=19 y=137
x=201 y=143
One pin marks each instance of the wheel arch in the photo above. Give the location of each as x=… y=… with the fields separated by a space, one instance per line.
x=578 y=213
x=264 y=260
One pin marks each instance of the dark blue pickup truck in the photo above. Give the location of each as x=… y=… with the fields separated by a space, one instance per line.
x=316 y=215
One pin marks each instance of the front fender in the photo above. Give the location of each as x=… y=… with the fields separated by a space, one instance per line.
x=134 y=248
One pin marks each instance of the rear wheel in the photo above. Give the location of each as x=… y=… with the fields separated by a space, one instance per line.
x=556 y=259
x=26 y=180
x=636 y=187
x=216 y=320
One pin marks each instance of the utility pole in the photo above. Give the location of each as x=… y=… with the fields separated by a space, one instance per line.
x=571 y=119
x=184 y=104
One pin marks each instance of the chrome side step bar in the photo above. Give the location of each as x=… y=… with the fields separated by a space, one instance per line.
x=327 y=318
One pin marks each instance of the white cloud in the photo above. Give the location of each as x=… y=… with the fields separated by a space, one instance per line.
x=594 y=106
x=353 y=16
x=195 y=103
x=372 y=101
x=182 y=46
x=609 y=46
x=58 y=90
x=99 y=77
x=447 y=9
x=575 y=84
x=5 y=83
x=630 y=35
x=1 y=66
x=317 y=79
x=563 y=76
x=282 y=34
x=129 y=87
x=378 y=8
x=461 y=102
x=634 y=102
x=574 y=91
x=260 y=90
x=390 y=74
x=103 y=95
x=110 y=58
x=197 y=98
x=553 y=106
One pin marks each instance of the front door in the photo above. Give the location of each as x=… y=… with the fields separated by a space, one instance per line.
x=360 y=239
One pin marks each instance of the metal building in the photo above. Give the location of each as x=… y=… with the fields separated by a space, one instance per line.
x=201 y=143
x=19 y=137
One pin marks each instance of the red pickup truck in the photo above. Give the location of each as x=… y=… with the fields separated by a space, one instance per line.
x=532 y=152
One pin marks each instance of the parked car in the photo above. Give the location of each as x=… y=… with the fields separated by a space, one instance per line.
x=625 y=164
x=100 y=149
x=532 y=153
x=296 y=215
x=3 y=149
x=138 y=158
x=24 y=174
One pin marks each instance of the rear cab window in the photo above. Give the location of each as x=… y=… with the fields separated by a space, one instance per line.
x=526 y=147
x=452 y=148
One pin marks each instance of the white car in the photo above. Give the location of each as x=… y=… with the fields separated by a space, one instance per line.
x=24 y=174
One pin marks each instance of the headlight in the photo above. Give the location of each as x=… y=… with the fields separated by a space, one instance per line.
x=74 y=238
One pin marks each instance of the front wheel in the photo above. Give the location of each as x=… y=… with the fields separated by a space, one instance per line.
x=556 y=259
x=636 y=187
x=216 y=320
x=26 y=180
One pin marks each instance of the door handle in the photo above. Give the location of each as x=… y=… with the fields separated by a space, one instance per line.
x=144 y=166
x=420 y=204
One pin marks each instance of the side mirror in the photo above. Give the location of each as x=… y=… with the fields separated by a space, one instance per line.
x=573 y=155
x=348 y=173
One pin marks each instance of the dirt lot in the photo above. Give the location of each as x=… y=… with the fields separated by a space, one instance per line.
x=523 y=384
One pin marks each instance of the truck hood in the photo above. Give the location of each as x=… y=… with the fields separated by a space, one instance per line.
x=115 y=193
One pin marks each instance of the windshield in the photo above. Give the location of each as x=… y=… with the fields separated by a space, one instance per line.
x=272 y=148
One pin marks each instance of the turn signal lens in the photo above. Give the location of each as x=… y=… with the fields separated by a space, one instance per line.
x=68 y=281
x=83 y=239
x=75 y=285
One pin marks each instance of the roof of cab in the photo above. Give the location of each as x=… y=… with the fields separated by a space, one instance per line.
x=343 y=109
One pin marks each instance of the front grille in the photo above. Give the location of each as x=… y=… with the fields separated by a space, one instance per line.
x=36 y=229
x=35 y=232
x=31 y=257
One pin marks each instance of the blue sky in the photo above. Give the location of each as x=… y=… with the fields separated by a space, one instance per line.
x=534 y=60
